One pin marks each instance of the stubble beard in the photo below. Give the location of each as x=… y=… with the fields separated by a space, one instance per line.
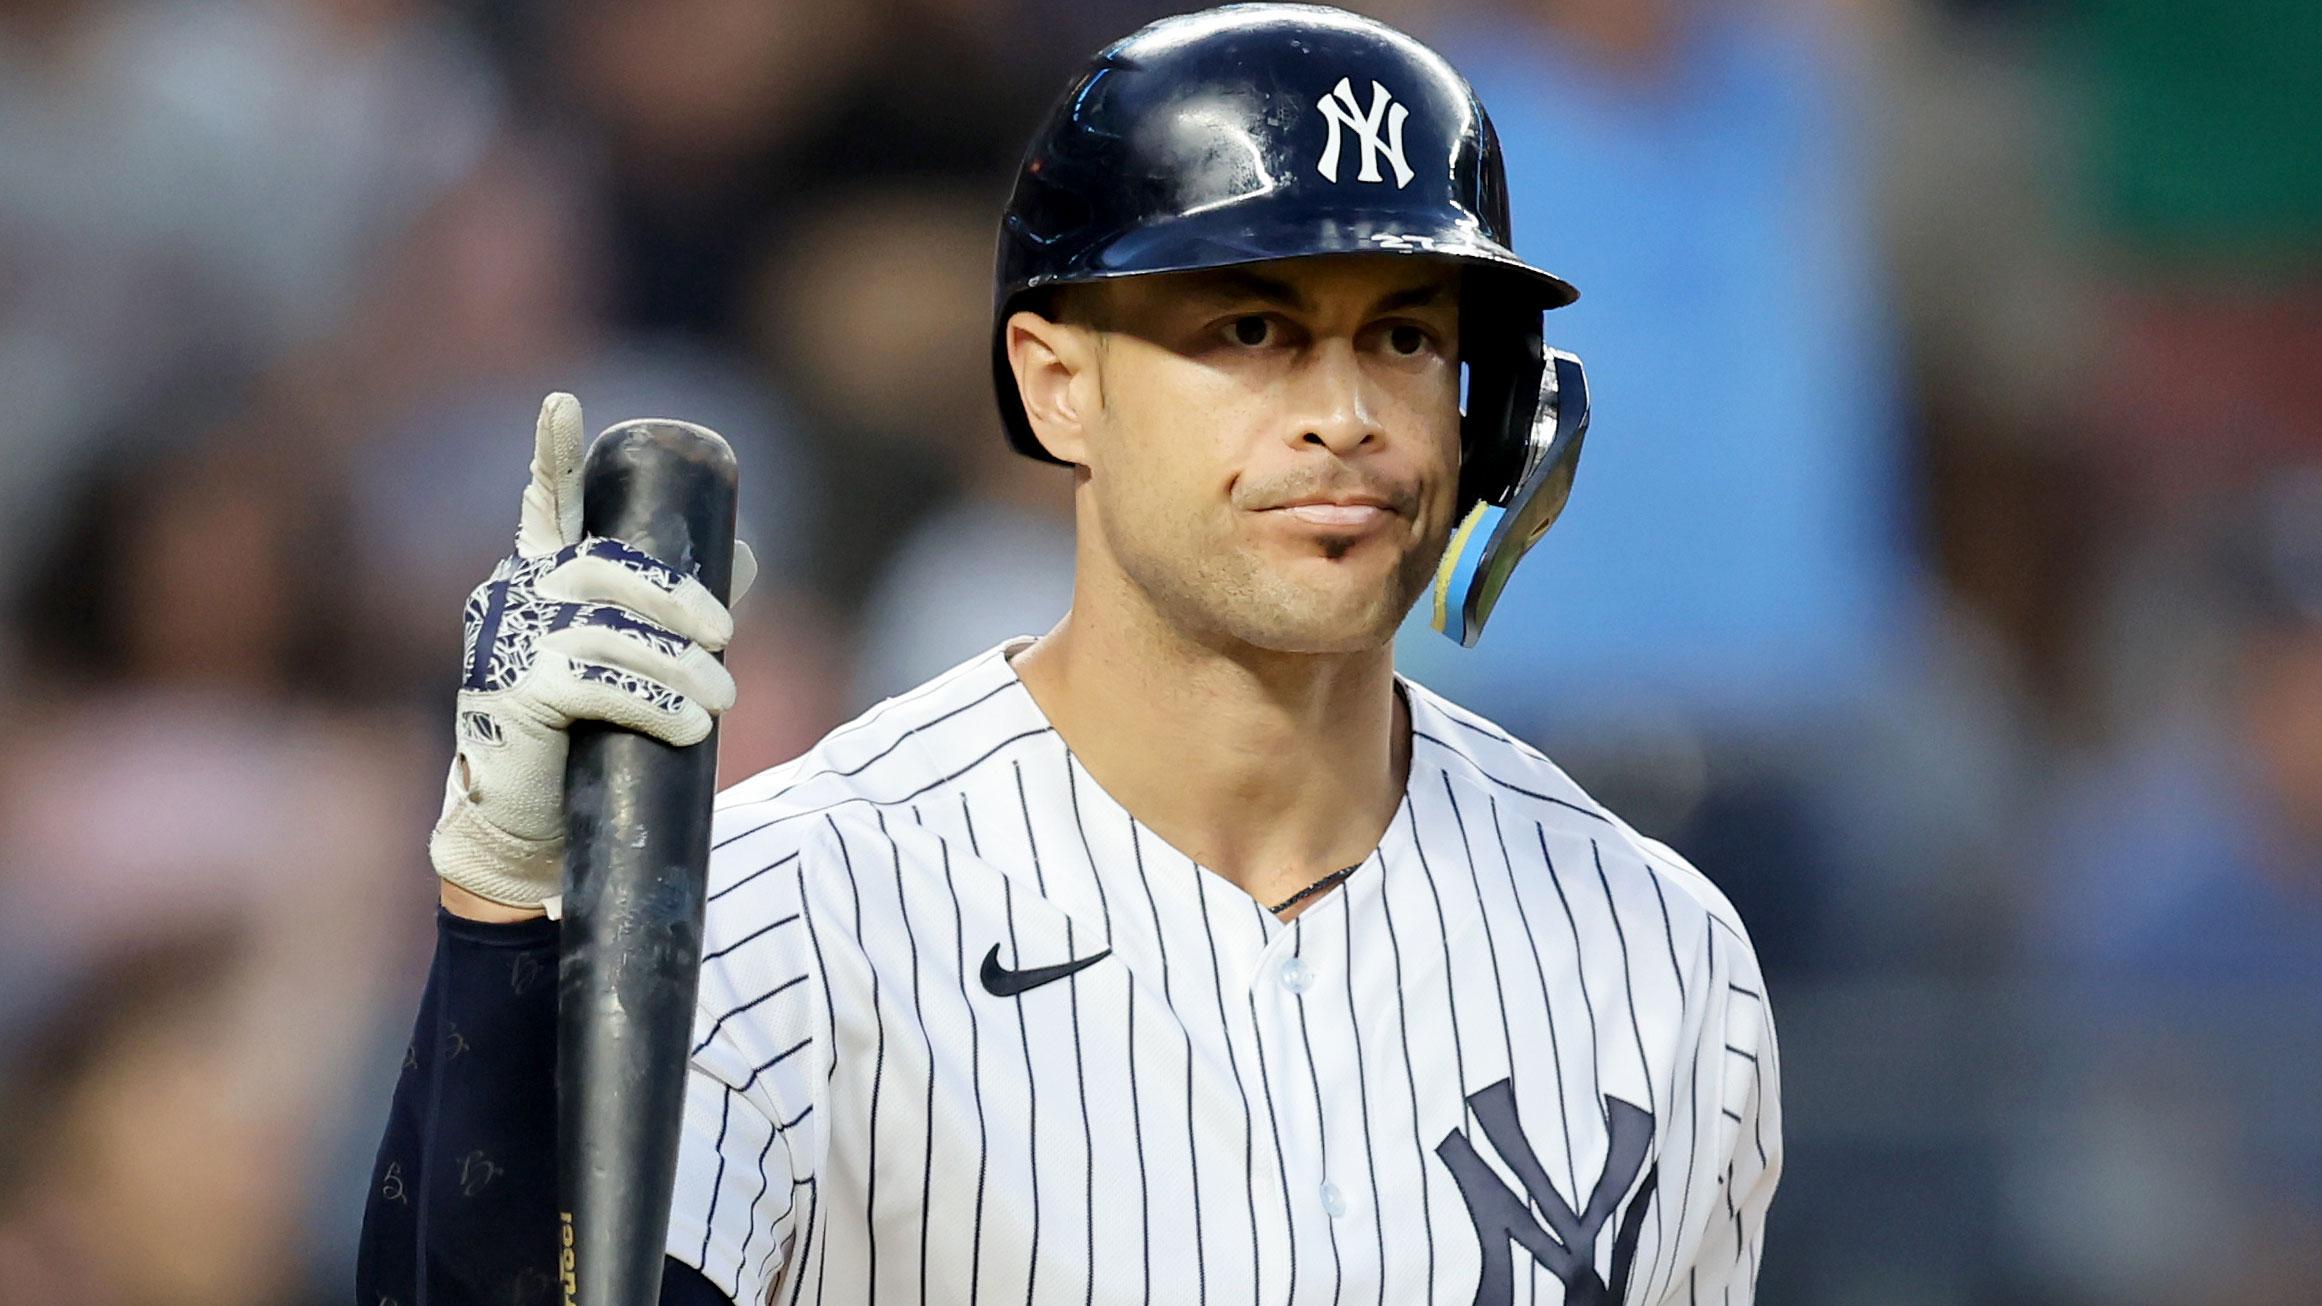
x=1230 y=591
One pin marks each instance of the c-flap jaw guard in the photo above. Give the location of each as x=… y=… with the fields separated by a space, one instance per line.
x=1485 y=549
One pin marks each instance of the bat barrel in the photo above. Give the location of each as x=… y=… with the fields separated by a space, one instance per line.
x=637 y=824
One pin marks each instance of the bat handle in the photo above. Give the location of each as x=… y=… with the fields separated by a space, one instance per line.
x=637 y=822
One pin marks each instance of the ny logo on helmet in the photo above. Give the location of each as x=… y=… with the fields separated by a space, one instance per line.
x=1340 y=109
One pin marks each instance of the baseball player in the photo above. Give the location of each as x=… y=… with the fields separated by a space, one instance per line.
x=1186 y=953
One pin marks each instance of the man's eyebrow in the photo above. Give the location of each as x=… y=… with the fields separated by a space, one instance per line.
x=1415 y=297
x=1241 y=283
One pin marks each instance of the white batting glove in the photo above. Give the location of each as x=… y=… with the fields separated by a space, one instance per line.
x=569 y=628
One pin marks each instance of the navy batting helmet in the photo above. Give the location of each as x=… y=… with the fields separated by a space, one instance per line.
x=1257 y=132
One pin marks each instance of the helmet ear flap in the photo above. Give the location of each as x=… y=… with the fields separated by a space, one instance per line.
x=1506 y=361
x=1515 y=478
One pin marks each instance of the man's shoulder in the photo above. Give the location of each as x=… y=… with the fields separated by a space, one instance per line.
x=902 y=750
x=1521 y=778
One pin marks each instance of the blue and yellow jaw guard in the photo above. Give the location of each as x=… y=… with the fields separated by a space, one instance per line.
x=1494 y=537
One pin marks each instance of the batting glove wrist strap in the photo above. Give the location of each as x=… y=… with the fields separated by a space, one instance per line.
x=493 y=864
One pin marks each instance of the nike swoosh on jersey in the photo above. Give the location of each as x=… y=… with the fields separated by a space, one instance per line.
x=1001 y=982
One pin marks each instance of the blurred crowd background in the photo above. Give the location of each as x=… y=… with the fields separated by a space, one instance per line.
x=1944 y=576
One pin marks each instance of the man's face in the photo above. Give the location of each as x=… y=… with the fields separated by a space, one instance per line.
x=1270 y=455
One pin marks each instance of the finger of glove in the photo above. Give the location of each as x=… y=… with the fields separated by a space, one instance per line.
x=613 y=638
x=571 y=690
x=745 y=572
x=552 y=502
x=608 y=571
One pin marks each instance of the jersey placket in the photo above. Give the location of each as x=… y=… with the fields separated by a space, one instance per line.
x=1313 y=1180
x=1300 y=996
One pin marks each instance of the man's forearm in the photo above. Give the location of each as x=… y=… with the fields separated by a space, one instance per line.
x=463 y=1195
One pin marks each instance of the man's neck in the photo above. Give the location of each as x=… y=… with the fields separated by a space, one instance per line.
x=1270 y=769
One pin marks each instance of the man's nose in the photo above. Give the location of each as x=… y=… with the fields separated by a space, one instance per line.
x=1335 y=407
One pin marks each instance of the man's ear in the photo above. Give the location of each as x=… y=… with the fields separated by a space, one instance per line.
x=1056 y=377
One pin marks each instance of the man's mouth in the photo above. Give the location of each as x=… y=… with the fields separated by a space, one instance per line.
x=1352 y=516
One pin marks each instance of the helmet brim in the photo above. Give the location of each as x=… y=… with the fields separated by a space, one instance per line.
x=1224 y=238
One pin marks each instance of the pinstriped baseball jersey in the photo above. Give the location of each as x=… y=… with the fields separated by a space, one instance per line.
x=969 y=1033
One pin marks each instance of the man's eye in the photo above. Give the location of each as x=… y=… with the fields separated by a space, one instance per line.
x=1251 y=330
x=1408 y=341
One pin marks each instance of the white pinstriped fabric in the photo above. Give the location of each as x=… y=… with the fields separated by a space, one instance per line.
x=1522 y=1055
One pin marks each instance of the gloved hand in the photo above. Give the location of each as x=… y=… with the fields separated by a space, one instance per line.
x=569 y=628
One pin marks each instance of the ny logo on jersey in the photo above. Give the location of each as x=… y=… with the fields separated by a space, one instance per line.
x=1565 y=1248
x=1340 y=109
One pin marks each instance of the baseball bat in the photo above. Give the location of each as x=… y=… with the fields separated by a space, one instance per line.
x=637 y=831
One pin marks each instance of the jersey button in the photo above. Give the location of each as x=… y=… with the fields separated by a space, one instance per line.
x=1297 y=976
x=1333 y=1200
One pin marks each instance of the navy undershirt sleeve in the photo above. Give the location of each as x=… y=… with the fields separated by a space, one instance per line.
x=462 y=1206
